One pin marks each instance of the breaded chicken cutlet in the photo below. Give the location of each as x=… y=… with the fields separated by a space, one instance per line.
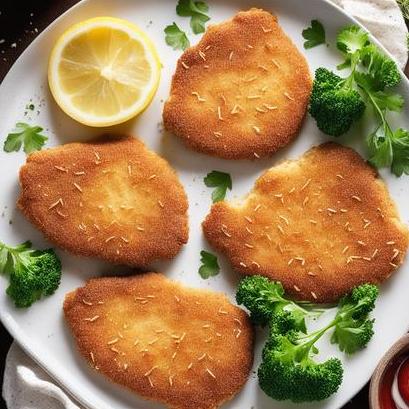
x=321 y=225
x=184 y=347
x=242 y=92
x=106 y=199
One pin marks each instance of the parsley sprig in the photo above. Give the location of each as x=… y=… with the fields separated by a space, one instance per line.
x=376 y=75
x=315 y=35
x=210 y=266
x=197 y=11
x=336 y=103
x=176 y=38
x=221 y=182
x=23 y=134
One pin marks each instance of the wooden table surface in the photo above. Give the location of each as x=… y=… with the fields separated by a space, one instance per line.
x=20 y=23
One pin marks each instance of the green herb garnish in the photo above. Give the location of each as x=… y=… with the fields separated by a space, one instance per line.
x=32 y=273
x=197 y=11
x=315 y=35
x=210 y=266
x=221 y=182
x=336 y=103
x=288 y=367
x=24 y=134
x=176 y=38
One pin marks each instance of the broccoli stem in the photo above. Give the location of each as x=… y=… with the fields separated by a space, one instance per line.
x=307 y=341
x=302 y=346
x=349 y=81
x=387 y=134
x=313 y=310
x=387 y=129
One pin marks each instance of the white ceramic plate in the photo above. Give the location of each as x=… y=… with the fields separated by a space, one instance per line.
x=41 y=330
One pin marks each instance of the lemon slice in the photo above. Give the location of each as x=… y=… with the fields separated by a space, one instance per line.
x=103 y=71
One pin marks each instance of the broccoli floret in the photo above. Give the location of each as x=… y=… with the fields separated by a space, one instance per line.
x=388 y=75
x=360 y=302
x=265 y=298
x=283 y=322
x=334 y=104
x=288 y=371
x=383 y=70
x=353 y=328
x=33 y=273
x=352 y=335
x=259 y=295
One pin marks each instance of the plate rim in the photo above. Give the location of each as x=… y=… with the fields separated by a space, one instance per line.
x=11 y=325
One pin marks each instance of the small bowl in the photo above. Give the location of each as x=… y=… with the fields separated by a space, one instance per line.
x=398 y=349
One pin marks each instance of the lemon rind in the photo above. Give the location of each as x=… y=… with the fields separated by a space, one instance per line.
x=134 y=32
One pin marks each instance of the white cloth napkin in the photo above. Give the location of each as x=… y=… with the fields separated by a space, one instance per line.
x=384 y=20
x=26 y=385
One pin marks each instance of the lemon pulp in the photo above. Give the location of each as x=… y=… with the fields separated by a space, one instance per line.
x=103 y=71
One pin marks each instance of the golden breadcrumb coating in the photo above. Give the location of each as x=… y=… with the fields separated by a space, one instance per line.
x=242 y=92
x=321 y=225
x=106 y=199
x=184 y=347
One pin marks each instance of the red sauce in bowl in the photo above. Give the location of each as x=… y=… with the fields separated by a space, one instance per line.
x=403 y=381
x=399 y=369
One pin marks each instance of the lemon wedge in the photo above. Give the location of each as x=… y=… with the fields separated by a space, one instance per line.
x=103 y=71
